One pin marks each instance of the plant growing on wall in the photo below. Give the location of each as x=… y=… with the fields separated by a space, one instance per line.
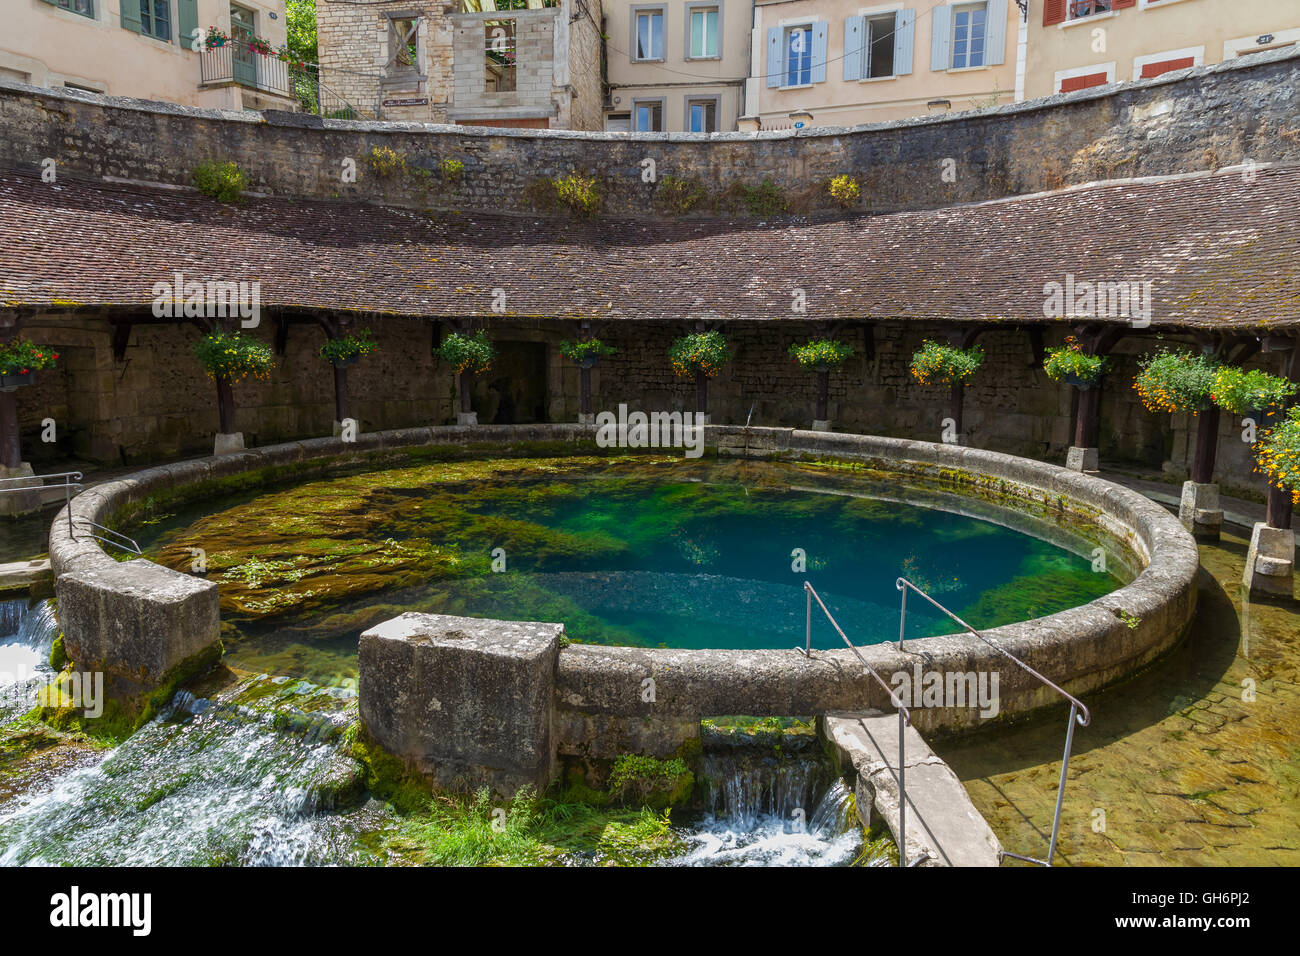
x=578 y=193
x=467 y=353
x=1071 y=364
x=346 y=349
x=700 y=353
x=765 y=199
x=223 y=181
x=453 y=170
x=819 y=355
x=21 y=357
x=231 y=357
x=845 y=190
x=679 y=196
x=1176 y=381
x=1246 y=393
x=585 y=352
x=385 y=161
x=1277 y=454
x=939 y=364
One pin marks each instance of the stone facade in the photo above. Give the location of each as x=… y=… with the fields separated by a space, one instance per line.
x=555 y=82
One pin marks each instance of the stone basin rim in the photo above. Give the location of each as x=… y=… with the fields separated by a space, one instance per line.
x=1082 y=648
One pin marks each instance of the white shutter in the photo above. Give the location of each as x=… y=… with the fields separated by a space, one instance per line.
x=995 y=33
x=940 y=37
x=904 y=40
x=819 y=47
x=855 y=35
x=775 y=57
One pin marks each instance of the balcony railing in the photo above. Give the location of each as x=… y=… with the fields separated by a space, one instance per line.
x=243 y=66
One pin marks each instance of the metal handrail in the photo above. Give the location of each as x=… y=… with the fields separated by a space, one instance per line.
x=124 y=542
x=904 y=715
x=67 y=484
x=1076 y=705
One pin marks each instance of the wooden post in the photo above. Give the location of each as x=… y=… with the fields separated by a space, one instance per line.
x=226 y=406
x=11 y=452
x=955 y=406
x=584 y=390
x=1278 y=513
x=1207 y=443
x=701 y=393
x=464 y=391
x=340 y=393
x=823 y=394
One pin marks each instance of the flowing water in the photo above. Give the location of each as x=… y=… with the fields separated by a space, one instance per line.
x=27 y=632
x=649 y=552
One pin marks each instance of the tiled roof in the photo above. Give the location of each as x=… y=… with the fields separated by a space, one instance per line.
x=1222 y=251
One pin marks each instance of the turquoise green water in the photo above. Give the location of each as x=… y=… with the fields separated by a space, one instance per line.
x=649 y=552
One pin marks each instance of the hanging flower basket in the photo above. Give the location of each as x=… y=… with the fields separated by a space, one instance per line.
x=699 y=352
x=1253 y=394
x=20 y=360
x=232 y=357
x=467 y=353
x=821 y=355
x=346 y=350
x=939 y=364
x=1071 y=364
x=1176 y=381
x=215 y=39
x=1277 y=454
x=585 y=353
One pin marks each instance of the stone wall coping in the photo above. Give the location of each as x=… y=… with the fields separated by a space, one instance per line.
x=1025 y=106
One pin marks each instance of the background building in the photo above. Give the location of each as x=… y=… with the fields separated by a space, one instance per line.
x=433 y=61
x=143 y=48
x=846 y=63
x=676 y=65
x=1075 y=44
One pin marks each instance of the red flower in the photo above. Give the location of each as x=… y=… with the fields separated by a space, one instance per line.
x=23 y=372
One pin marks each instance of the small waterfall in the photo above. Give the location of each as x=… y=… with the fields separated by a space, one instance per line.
x=27 y=633
x=769 y=807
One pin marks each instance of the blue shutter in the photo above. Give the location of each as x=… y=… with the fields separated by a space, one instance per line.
x=940 y=37
x=131 y=16
x=904 y=40
x=819 y=53
x=855 y=33
x=775 y=57
x=187 y=15
x=995 y=33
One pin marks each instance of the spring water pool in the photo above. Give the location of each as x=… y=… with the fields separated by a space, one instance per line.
x=636 y=551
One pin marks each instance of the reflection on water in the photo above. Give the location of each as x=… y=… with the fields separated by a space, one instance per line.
x=1195 y=762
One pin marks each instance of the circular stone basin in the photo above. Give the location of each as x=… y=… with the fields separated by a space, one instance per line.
x=641 y=550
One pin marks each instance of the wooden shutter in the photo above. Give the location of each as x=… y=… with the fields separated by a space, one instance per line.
x=1083 y=82
x=1166 y=66
x=819 y=47
x=904 y=40
x=940 y=37
x=1122 y=4
x=187 y=15
x=131 y=16
x=1054 y=11
x=855 y=35
x=995 y=34
x=775 y=57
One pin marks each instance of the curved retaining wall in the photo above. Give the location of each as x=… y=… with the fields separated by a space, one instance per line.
x=1205 y=118
x=138 y=620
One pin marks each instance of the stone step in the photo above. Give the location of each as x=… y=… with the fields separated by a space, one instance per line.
x=23 y=574
x=942 y=823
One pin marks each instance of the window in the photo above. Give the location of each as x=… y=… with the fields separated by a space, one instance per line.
x=649 y=116
x=1088 y=8
x=404 y=45
x=499 y=46
x=85 y=7
x=798 y=56
x=648 y=35
x=968 y=33
x=155 y=19
x=704 y=33
x=702 y=115
x=879 y=46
